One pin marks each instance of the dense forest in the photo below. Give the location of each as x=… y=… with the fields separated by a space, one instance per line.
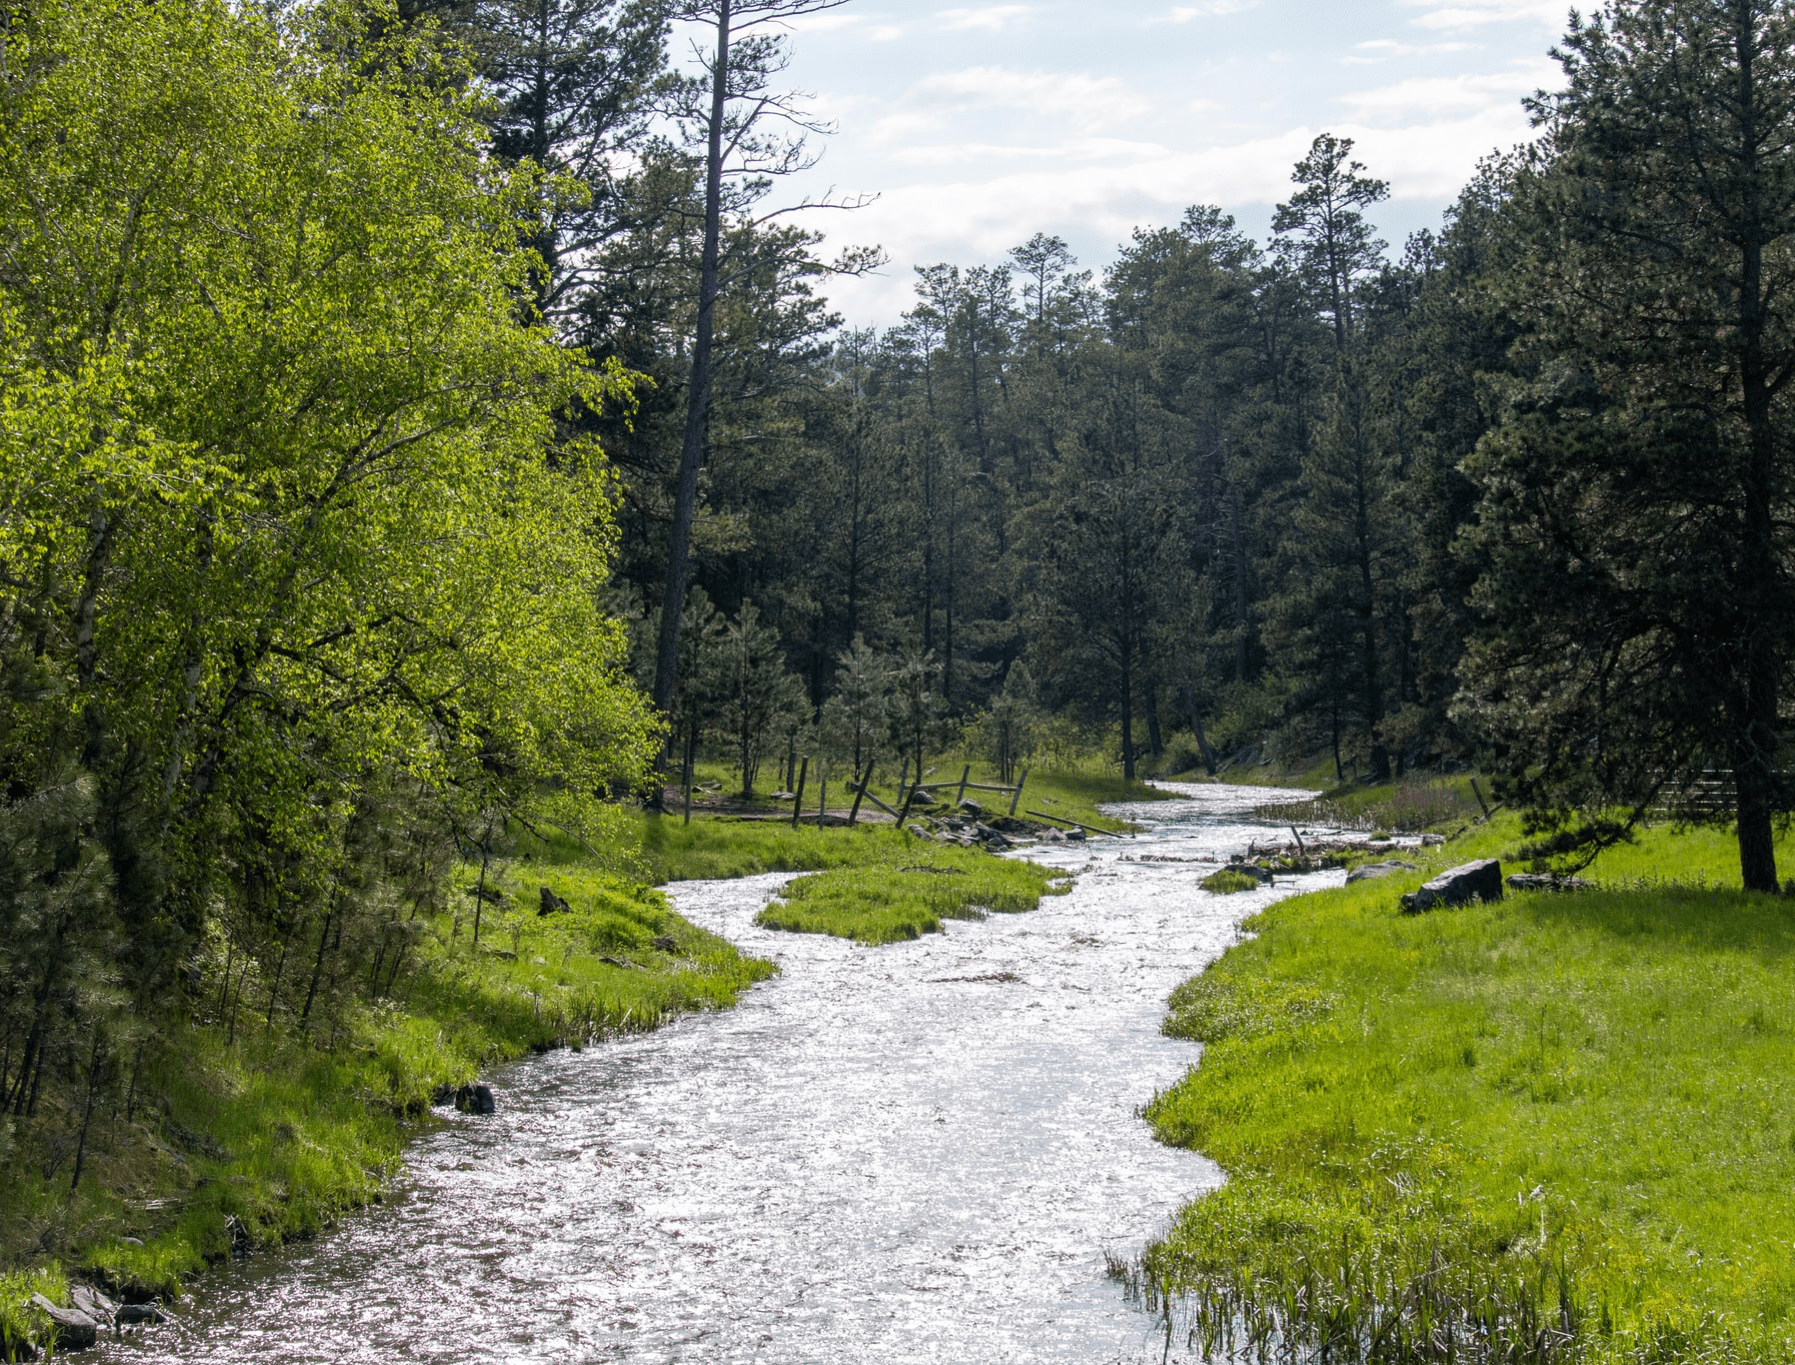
x=421 y=422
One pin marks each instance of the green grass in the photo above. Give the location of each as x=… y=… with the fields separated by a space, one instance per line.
x=1228 y=882
x=903 y=900
x=284 y=1135
x=1566 y=1116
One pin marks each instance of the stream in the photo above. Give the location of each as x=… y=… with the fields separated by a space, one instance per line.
x=913 y=1153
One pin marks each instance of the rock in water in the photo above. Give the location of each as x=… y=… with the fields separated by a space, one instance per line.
x=73 y=1330
x=1479 y=881
x=1365 y=872
x=475 y=1099
x=137 y=1314
x=553 y=904
x=92 y=1302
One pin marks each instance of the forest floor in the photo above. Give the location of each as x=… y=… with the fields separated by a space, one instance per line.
x=1564 y=1123
x=235 y=1135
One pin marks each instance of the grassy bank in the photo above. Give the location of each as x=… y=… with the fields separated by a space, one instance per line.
x=238 y=1133
x=1562 y=1127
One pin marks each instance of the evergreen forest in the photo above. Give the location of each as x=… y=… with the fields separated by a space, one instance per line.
x=425 y=425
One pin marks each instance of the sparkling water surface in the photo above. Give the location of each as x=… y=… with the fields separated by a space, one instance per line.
x=881 y=1156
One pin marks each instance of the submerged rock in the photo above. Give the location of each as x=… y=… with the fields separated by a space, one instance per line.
x=1478 y=881
x=475 y=1099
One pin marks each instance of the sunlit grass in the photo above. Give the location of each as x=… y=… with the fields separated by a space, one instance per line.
x=892 y=902
x=1461 y=1117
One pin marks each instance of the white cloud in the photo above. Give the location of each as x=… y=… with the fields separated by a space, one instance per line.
x=1183 y=14
x=1475 y=13
x=1088 y=100
x=1434 y=97
x=990 y=16
x=886 y=32
x=1384 y=49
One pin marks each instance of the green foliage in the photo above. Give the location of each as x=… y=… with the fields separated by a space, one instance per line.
x=1566 y=1114
x=887 y=903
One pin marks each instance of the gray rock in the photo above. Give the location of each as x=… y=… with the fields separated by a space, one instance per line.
x=1545 y=881
x=92 y=1302
x=1461 y=885
x=138 y=1315
x=71 y=1329
x=1365 y=872
x=973 y=808
x=1262 y=875
x=1075 y=836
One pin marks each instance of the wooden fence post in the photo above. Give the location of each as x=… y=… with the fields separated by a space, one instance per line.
x=866 y=780
x=965 y=774
x=822 y=805
x=1017 y=795
x=903 y=774
x=798 y=796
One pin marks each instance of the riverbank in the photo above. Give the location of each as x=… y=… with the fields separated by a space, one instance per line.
x=243 y=1132
x=237 y=1135
x=1564 y=1122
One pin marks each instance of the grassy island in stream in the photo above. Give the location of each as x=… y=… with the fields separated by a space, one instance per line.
x=1563 y=1125
x=910 y=895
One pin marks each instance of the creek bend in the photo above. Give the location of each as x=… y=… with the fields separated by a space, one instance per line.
x=918 y=1152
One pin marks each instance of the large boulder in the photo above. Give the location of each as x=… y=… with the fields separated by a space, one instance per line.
x=1478 y=881
x=72 y=1329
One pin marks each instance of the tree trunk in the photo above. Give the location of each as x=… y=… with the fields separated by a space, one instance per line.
x=698 y=393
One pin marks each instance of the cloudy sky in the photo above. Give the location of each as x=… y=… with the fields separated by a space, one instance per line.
x=979 y=125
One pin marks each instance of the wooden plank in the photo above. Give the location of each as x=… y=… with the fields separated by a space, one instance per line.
x=875 y=800
x=1068 y=820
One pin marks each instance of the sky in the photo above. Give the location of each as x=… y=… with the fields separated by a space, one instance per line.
x=979 y=125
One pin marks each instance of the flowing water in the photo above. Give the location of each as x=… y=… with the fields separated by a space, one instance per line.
x=913 y=1153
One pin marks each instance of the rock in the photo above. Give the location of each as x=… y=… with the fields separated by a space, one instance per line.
x=1460 y=886
x=972 y=808
x=92 y=1302
x=475 y=1099
x=666 y=943
x=1545 y=881
x=71 y=1329
x=444 y=1094
x=1365 y=872
x=553 y=904
x=1075 y=836
x=138 y=1314
x=1260 y=874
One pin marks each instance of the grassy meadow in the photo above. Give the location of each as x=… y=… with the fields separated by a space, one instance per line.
x=1561 y=1127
